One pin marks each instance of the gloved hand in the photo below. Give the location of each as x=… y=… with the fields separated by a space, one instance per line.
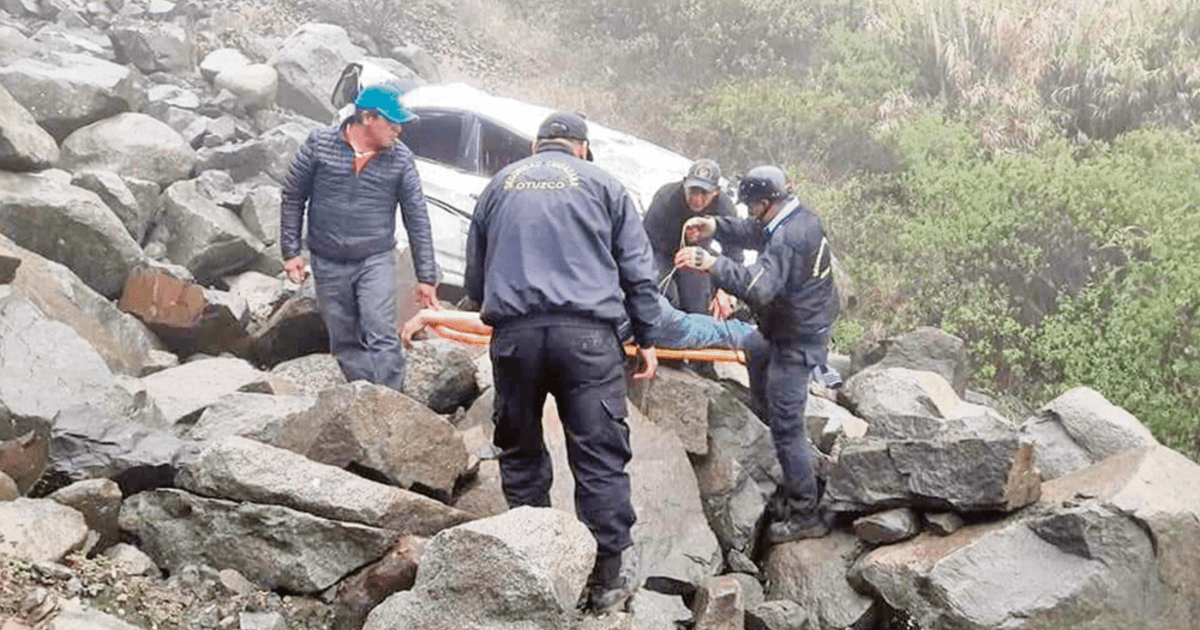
x=699 y=228
x=696 y=258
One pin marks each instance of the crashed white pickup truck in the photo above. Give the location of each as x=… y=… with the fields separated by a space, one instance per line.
x=465 y=136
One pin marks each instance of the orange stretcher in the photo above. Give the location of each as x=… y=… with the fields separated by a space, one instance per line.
x=715 y=355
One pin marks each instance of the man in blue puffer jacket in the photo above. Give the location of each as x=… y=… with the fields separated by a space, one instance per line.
x=349 y=179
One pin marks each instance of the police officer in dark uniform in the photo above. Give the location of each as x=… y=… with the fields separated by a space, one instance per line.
x=790 y=288
x=558 y=259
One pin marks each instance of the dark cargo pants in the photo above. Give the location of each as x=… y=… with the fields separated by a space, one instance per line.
x=779 y=374
x=581 y=363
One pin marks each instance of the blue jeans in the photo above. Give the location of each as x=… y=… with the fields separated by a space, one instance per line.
x=689 y=331
x=357 y=299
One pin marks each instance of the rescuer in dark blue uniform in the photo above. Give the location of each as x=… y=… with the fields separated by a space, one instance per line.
x=557 y=258
x=790 y=288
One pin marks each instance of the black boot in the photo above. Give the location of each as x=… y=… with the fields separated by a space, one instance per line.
x=794 y=518
x=612 y=582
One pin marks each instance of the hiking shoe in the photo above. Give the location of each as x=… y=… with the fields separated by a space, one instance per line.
x=801 y=524
x=612 y=583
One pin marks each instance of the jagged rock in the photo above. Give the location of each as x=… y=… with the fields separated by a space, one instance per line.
x=1079 y=428
x=380 y=430
x=890 y=526
x=86 y=40
x=672 y=400
x=358 y=594
x=672 y=538
x=23 y=456
x=311 y=374
x=779 y=614
x=68 y=225
x=206 y=238
x=134 y=145
x=1110 y=546
x=260 y=213
x=738 y=475
x=161 y=47
x=270 y=154
x=479 y=414
x=925 y=349
x=525 y=568
x=256 y=86
x=40 y=529
x=24 y=146
x=72 y=90
x=255 y=416
x=309 y=61
x=812 y=573
x=45 y=366
x=31 y=8
x=99 y=501
x=419 y=60
x=656 y=611
x=294 y=330
x=441 y=374
x=245 y=470
x=187 y=317
x=942 y=523
x=827 y=421
x=968 y=469
x=160 y=98
x=718 y=604
x=881 y=395
x=122 y=341
x=9 y=262
x=484 y=497
x=8 y=488
x=183 y=392
x=236 y=583
x=73 y=615
x=130 y=560
x=115 y=194
x=125 y=441
x=261 y=293
x=274 y=546
x=220 y=60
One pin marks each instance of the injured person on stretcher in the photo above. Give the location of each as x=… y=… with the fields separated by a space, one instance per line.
x=677 y=330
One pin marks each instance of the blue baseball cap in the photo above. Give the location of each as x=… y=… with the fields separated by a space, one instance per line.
x=385 y=99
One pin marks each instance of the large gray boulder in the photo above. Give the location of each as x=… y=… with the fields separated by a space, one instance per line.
x=260 y=212
x=1110 y=546
x=121 y=340
x=1079 y=428
x=41 y=530
x=311 y=374
x=270 y=154
x=273 y=546
x=812 y=573
x=220 y=60
x=294 y=330
x=968 y=468
x=522 y=569
x=255 y=416
x=206 y=238
x=24 y=146
x=133 y=145
x=674 y=399
x=309 y=62
x=738 y=475
x=116 y=194
x=184 y=392
x=157 y=47
x=925 y=349
x=245 y=470
x=69 y=225
x=880 y=394
x=441 y=374
x=45 y=366
x=381 y=430
x=671 y=537
x=256 y=86
x=72 y=90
